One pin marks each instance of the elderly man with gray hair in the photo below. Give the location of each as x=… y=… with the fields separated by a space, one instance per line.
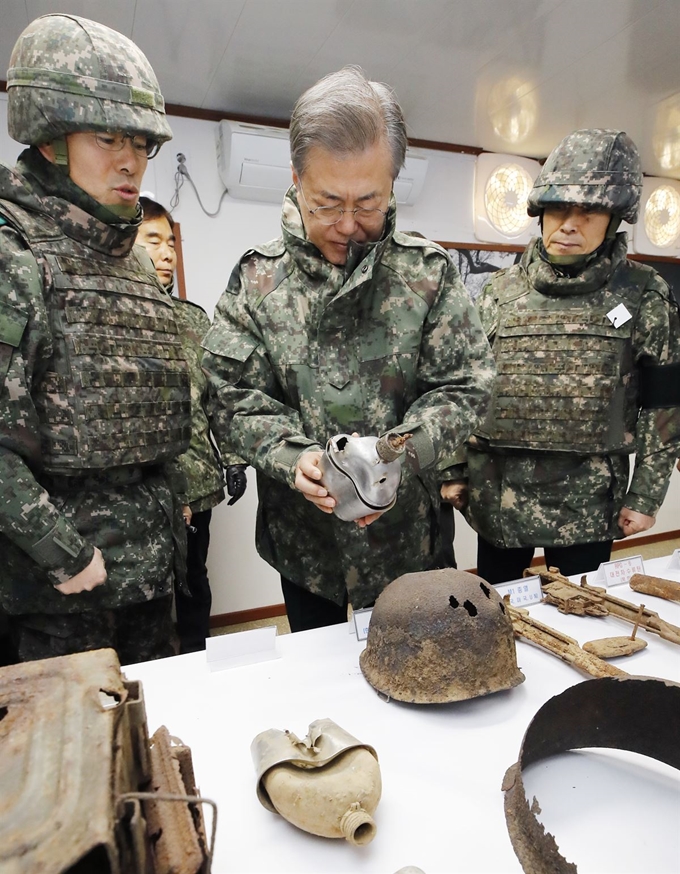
x=344 y=325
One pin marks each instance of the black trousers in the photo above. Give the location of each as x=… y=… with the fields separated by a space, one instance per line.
x=193 y=613
x=496 y=565
x=306 y=610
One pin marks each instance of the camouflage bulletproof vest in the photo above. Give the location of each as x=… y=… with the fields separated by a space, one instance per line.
x=566 y=378
x=116 y=391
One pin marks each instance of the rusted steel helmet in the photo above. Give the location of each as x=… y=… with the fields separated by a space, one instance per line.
x=438 y=636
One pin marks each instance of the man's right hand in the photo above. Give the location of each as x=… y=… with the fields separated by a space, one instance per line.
x=456 y=494
x=307 y=476
x=92 y=576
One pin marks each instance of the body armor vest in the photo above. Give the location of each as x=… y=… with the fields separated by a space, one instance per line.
x=566 y=376
x=116 y=390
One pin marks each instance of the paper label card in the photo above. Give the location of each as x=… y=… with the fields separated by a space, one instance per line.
x=619 y=571
x=362 y=619
x=522 y=592
x=241 y=648
x=674 y=562
x=619 y=315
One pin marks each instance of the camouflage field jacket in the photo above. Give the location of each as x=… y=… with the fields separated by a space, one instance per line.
x=49 y=523
x=531 y=497
x=301 y=350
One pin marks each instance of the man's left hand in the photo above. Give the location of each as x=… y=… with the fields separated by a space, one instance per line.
x=237 y=482
x=632 y=522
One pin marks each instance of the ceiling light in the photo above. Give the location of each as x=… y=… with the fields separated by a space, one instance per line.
x=502 y=185
x=658 y=229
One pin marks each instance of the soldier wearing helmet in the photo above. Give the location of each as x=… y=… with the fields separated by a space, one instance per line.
x=94 y=394
x=573 y=327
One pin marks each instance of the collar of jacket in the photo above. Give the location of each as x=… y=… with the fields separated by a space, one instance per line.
x=548 y=279
x=37 y=185
x=361 y=259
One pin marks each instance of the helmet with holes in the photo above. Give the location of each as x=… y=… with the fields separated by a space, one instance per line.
x=438 y=636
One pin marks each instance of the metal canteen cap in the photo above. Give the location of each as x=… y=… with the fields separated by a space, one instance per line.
x=362 y=473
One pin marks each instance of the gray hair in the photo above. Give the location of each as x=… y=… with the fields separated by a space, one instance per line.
x=345 y=113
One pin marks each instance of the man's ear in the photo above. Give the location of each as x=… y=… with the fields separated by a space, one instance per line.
x=47 y=151
x=296 y=178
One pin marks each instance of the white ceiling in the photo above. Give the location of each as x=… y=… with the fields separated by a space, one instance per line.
x=504 y=75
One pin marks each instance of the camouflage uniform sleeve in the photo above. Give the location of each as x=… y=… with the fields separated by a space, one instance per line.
x=654 y=337
x=245 y=405
x=455 y=374
x=487 y=311
x=27 y=515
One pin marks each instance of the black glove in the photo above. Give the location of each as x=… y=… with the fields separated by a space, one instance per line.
x=236 y=482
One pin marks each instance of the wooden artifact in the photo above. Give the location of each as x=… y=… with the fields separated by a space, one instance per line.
x=564 y=647
x=613 y=647
x=655 y=586
x=565 y=595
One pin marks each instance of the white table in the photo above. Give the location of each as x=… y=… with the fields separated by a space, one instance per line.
x=442 y=765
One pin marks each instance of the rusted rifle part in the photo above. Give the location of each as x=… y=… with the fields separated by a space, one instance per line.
x=655 y=586
x=559 y=644
x=649 y=620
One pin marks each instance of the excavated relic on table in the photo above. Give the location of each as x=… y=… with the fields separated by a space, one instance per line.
x=668 y=589
x=362 y=473
x=437 y=636
x=639 y=714
x=555 y=585
x=561 y=645
x=327 y=784
x=613 y=647
x=76 y=770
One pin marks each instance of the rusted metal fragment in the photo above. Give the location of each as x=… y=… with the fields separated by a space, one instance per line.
x=667 y=589
x=614 y=647
x=638 y=714
x=647 y=619
x=64 y=738
x=171 y=826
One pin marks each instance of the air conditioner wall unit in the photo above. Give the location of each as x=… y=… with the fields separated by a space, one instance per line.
x=254 y=164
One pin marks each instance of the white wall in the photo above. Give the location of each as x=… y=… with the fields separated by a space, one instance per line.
x=240 y=579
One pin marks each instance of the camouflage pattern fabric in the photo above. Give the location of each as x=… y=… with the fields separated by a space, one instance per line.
x=545 y=498
x=596 y=168
x=138 y=633
x=50 y=524
x=301 y=350
x=101 y=82
x=200 y=463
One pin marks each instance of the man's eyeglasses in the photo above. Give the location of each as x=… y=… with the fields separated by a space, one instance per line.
x=114 y=142
x=331 y=215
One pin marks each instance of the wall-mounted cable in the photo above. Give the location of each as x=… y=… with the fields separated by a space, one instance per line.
x=182 y=174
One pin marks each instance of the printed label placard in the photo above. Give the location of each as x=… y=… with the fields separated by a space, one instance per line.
x=619 y=571
x=523 y=592
x=674 y=562
x=362 y=619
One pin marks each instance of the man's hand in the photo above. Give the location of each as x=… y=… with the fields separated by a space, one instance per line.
x=456 y=494
x=92 y=576
x=237 y=482
x=186 y=515
x=307 y=476
x=368 y=520
x=632 y=522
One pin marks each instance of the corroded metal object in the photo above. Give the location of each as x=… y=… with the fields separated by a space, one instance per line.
x=76 y=769
x=638 y=714
x=362 y=473
x=564 y=647
x=562 y=593
x=613 y=647
x=327 y=784
x=438 y=636
x=668 y=589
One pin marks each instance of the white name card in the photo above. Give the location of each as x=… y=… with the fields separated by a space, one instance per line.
x=241 y=648
x=361 y=620
x=619 y=571
x=619 y=315
x=674 y=561
x=522 y=592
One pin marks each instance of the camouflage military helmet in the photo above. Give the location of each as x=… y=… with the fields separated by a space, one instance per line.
x=68 y=74
x=438 y=636
x=596 y=168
